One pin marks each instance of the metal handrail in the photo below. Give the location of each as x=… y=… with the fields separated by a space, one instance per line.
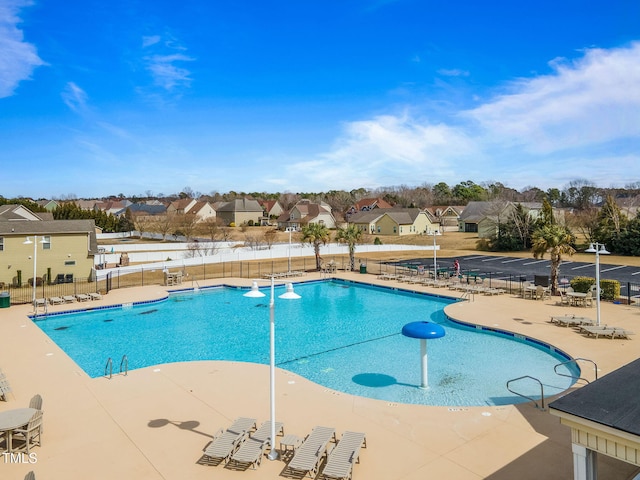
x=124 y=361
x=541 y=406
x=575 y=360
x=109 y=366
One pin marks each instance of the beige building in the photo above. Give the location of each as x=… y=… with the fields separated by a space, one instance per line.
x=306 y=212
x=62 y=249
x=240 y=211
x=397 y=222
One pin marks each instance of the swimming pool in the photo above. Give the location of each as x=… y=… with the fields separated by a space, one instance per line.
x=343 y=335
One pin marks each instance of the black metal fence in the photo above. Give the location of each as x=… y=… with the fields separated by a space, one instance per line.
x=25 y=293
x=190 y=276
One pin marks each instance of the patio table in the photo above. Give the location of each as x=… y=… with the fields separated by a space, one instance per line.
x=577 y=298
x=11 y=420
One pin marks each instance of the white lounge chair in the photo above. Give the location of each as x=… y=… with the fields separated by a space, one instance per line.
x=253 y=448
x=83 y=297
x=606 y=331
x=571 y=321
x=69 y=298
x=95 y=296
x=307 y=458
x=341 y=459
x=56 y=300
x=226 y=442
x=4 y=386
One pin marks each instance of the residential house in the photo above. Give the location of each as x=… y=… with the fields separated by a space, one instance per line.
x=367 y=204
x=62 y=247
x=113 y=207
x=447 y=216
x=272 y=208
x=394 y=221
x=48 y=205
x=306 y=212
x=142 y=214
x=484 y=218
x=180 y=206
x=203 y=211
x=18 y=212
x=240 y=211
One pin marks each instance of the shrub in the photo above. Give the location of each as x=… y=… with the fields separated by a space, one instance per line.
x=377 y=241
x=609 y=289
x=582 y=284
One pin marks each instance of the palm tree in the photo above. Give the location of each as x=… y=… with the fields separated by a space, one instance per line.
x=351 y=236
x=557 y=240
x=315 y=234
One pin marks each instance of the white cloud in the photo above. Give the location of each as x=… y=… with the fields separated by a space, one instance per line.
x=161 y=59
x=453 y=72
x=592 y=100
x=583 y=119
x=166 y=74
x=147 y=41
x=74 y=97
x=18 y=58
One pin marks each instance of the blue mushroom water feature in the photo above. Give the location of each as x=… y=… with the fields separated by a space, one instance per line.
x=423 y=331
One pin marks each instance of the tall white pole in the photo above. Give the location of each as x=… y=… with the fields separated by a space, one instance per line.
x=273 y=454
x=435 y=263
x=289 y=250
x=597 y=285
x=35 y=254
x=597 y=248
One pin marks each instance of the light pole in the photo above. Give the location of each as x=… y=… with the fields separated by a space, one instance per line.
x=288 y=295
x=598 y=249
x=289 y=229
x=35 y=256
x=435 y=233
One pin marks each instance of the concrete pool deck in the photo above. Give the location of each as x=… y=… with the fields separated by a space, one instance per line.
x=155 y=422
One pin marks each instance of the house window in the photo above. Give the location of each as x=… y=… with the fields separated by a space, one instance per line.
x=69 y=263
x=1 y=244
x=395 y=229
x=379 y=229
x=46 y=242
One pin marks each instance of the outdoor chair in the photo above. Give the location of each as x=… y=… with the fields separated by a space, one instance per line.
x=253 y=448
x=307 y=458
x=588 y=300
x=31 y=435
x=226 y=442
x=341 y=458
x=4 y=386
x=56 y=300
x=36 y=402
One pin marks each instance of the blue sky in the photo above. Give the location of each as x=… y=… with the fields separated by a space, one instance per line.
x=136 y=96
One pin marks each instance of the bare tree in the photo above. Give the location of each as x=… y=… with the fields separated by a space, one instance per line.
x=270 y=237
x=210 y=227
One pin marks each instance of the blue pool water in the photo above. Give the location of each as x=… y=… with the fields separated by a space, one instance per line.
x=345 y=336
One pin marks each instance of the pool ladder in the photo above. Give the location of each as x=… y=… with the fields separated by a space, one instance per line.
x=555 y=369
x=124 y=366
